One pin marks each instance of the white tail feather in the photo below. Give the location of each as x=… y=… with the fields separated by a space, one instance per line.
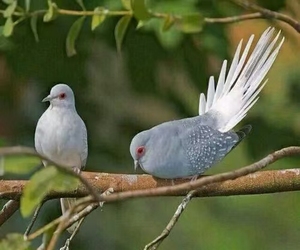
x=235 y=94
x=66 y=204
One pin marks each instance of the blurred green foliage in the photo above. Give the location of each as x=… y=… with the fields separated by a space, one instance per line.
x=156 y=77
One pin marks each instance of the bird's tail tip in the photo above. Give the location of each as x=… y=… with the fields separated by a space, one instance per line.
x=244 y=131
x=66 y=204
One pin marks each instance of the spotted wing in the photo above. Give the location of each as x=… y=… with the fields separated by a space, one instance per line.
x=206 y=146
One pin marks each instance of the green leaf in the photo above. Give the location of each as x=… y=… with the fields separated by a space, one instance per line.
x=33 y=25
x=81 y=4
x=10 y=9
x=168 y=22
x=126 y=4
x=8 y=27
x=98 y=18
x=192 y=23
x=170 y=39
x=14 y=241
x=41 y=183
x=18 y=164
x=52 y=13
x=120 y=30
x=72 y=36
x=140 y=10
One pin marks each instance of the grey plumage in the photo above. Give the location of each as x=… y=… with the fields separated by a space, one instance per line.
x=188 y=147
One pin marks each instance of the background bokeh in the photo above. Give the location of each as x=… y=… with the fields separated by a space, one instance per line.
x=157 y=77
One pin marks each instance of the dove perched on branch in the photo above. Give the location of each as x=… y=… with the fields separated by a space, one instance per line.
x=61 y=135
x=188 y=147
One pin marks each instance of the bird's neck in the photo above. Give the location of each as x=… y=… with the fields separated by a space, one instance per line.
x=62 y=109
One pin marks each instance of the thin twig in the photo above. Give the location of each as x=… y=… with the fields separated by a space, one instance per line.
x=67 y=222
x=82 y=214
x=8 y=210
x=68 y=241
x=157 y=241
x=57 y=233
x=266 y=13
x=19 y=150
x=43 y=229
x=33 y=219
x=233 y=19
x=79 y=203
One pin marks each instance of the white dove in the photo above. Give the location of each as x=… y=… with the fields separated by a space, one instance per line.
x=61 y=135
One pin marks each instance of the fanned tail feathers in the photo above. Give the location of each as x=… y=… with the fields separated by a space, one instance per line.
x=237 y=92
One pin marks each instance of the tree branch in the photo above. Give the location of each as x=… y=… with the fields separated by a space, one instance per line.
x=233 y=19
x=269 y=14
x=165 y=233
x=259 y=183
x=8 y=210
x=19 y=150
x=130 y=186
x=236 y=182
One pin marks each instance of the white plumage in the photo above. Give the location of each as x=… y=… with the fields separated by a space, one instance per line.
x=61 y=134
x=238 y=92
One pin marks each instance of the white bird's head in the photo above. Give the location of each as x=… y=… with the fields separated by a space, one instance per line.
x=61 y=95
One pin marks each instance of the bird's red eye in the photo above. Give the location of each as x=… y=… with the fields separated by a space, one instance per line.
x=62 y=96
x=140 y=150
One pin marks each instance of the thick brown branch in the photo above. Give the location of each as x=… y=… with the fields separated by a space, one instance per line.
x=257 y=183
x=20 y=150
x=130 y=186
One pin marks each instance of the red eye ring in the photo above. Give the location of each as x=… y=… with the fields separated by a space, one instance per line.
x=62 y=96
x=140 y=150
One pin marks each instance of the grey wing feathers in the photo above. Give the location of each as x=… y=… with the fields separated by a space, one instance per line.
x=205 y=147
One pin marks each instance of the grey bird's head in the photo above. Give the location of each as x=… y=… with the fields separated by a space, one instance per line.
x=61 y=95
x=139 y=148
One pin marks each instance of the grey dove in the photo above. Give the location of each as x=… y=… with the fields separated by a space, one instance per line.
x=61 y=135
x=188 y=147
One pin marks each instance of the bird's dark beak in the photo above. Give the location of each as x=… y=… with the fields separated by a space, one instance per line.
x=47 y=99
x=136 y=165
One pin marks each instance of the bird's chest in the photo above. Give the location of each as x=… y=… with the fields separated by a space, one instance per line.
x=58 y=137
